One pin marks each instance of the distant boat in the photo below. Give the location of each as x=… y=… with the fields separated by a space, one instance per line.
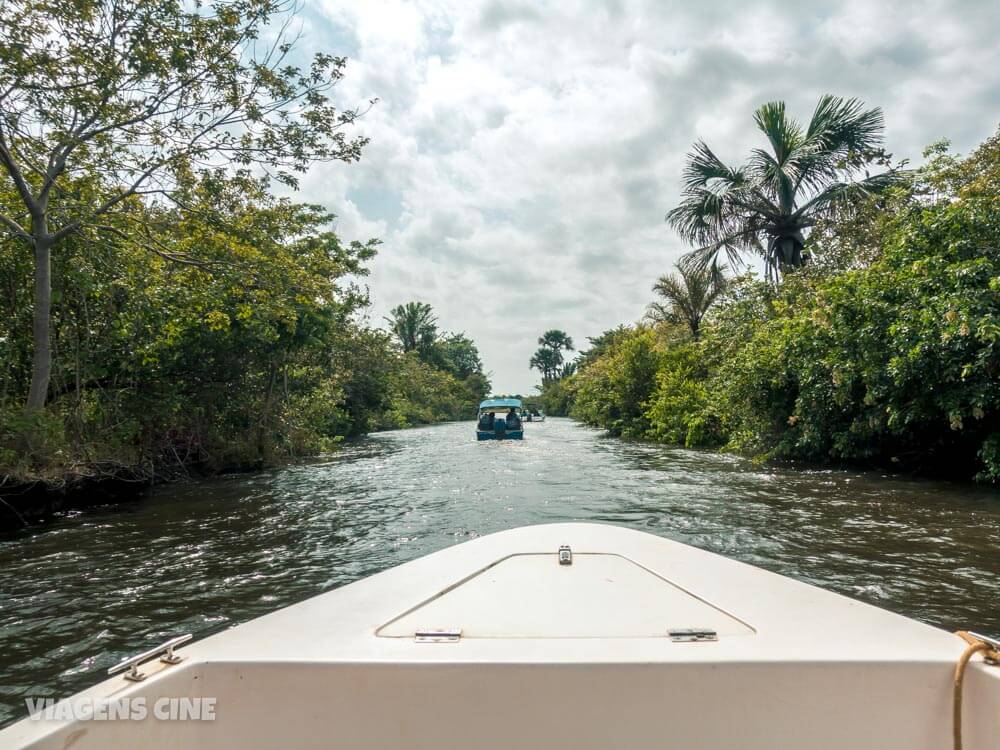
x=492 y=422
x=571 y=635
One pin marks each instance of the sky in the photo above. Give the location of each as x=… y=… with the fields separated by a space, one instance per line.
x=523 y=154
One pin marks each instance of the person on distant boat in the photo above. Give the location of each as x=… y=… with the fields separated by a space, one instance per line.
x=513 y=421
x=486 y=422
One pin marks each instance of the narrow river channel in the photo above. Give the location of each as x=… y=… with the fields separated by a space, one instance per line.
x=91 y=588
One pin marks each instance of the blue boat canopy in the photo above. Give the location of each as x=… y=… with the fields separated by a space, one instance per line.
x=500 y=403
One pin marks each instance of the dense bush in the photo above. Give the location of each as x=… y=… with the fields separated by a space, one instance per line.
x=224 y=336
x=886 y=351
x=682 y=410
x=614 y=389
x=423 y=394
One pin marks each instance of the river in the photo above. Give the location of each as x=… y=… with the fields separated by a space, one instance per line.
x=83 y=592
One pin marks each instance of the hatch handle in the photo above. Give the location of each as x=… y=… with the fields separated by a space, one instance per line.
x=692 y=635
x=565 y=555
x=443 y=635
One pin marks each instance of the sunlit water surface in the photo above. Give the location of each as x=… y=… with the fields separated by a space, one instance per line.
x=82 y=593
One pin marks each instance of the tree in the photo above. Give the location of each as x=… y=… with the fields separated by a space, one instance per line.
x=167 y=366
x=459 y=355
x=613 y=390
x=549 y=358
x=600 y=344
x=148 y=93
x=688 y=295
x=557 y=341
x=414 y=325
x=769 y=204
x=546 y=361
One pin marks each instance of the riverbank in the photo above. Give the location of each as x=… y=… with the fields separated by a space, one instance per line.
x=26 y=504
x=199 y=556
x=244 y=343
x=883 y=351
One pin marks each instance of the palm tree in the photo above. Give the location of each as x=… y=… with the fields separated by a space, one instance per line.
x=767 y=205
x=568 y=369
x=414 y=325
x=546 y=361
x=688 y=295
x=557 y=341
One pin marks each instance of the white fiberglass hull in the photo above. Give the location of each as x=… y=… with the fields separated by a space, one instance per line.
x=575 y=655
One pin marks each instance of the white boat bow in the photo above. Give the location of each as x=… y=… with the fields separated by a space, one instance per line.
x=635 y=642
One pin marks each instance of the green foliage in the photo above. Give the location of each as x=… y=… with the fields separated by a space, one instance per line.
x=142 y=89
x=688 y=295
x=252 y=354
x=896 y=363
x=614 y=389
x=682 y=410
x=767 y=205
x=556 y=397
x=32 y=443
x=111 y=112
x=887 y=352
x=556 y=340
x=547 y=362
x=414 y=326
x=600 y=344
x=548 y=359
x=440 y=377
x=458 y=355
x=423 y=394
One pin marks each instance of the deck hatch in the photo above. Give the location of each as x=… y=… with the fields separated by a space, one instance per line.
x=599 y=595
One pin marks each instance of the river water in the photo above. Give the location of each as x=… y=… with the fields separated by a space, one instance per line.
x=92 y=588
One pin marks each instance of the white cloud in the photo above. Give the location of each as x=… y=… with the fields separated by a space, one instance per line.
x=523 y=154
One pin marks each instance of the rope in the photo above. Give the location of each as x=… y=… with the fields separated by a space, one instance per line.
x=975 y=646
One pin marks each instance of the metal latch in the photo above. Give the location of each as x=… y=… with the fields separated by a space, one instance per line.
x=446 y=635
x=692 y=635
x=165 y=651
x=565 y=555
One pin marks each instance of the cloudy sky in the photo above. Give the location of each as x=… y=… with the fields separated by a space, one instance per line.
x=523 y=155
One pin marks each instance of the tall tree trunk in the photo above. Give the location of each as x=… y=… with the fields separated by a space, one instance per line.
x=41 y=362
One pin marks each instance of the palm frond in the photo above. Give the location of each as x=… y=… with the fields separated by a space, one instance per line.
x=839 y=130
x=783 y=132
x=767 y=203
x=839 y=194
x=705 y=257
x=706 y=170
x=845 y=123
x=688 y=294
x=657 y=312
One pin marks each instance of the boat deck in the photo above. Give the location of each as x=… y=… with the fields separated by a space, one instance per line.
x=494 y=643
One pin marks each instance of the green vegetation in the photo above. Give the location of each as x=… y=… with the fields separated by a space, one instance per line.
x=250 y=354
x=687 y=295
x=145 y=93
x=415 y=326
x=883 y=349
x=548 y=359
x=441 y=377
x=162 y=311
